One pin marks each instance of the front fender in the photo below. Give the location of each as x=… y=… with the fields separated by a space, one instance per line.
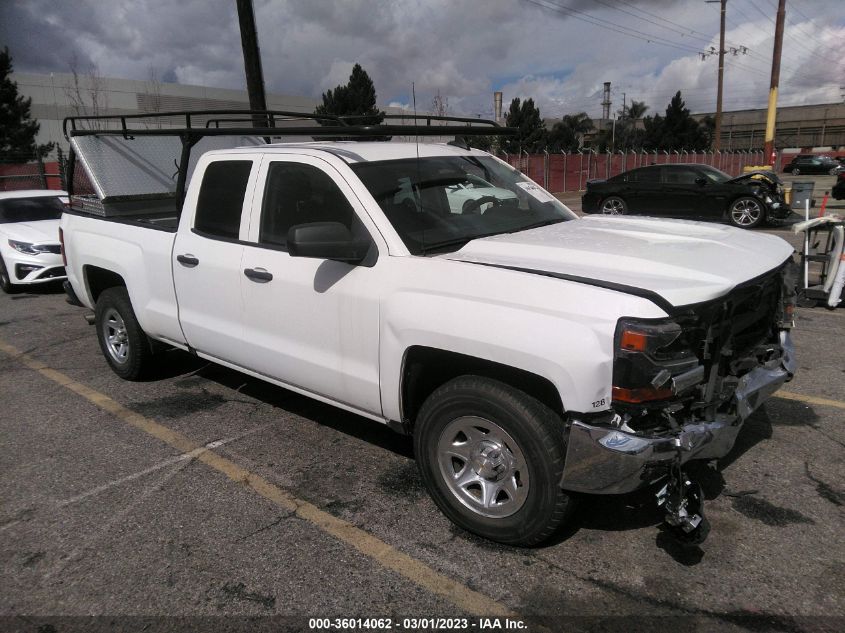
x=576 y=357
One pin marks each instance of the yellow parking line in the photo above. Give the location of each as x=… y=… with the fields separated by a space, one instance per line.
x=825 y=402
x=469 y=601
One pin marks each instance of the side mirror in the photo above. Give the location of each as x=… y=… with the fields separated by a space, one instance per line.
x=326 y=240
x=701 y=181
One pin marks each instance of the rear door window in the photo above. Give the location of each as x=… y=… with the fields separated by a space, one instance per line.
x=646 y=174
x=221 y=199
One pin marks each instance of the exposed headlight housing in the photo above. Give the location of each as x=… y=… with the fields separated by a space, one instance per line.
x=648 y=354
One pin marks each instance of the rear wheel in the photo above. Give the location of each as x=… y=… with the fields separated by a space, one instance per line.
x=492 y=459
x=795 y=171
x=614 y=205
x=746 y=212
x=6 y=284
x=122 y=341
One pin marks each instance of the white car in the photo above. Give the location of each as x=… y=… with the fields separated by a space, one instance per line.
x=465 y=195
x=476 y=195
x=30 y=252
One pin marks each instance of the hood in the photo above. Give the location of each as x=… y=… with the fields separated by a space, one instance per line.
x=682 y=262
x=42 y=231
x=758 y=175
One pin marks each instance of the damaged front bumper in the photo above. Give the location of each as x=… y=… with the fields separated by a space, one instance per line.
x=602 y=459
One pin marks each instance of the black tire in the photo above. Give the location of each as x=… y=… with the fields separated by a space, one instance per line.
x=746 y=212
x=796 y=171
x=531 y=446
x=6 y=284
x=613 y=205
x=124 y=344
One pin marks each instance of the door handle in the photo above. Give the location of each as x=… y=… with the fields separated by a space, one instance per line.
x=188 y=260
x=258 y=275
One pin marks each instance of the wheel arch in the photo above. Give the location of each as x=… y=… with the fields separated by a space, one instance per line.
x=424 y=369
x=98 y=279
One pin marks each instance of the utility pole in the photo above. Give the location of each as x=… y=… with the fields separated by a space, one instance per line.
x=717 y=141
x=252 y=62
x=769 y=148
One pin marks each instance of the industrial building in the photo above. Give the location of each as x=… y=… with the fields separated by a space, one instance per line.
x=58 y=95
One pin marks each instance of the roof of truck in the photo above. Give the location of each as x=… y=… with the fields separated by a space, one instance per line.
x=366 y=151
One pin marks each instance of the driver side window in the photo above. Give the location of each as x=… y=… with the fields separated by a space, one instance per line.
x=297 y=193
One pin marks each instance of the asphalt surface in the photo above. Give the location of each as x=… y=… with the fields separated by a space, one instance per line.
x=299 y=510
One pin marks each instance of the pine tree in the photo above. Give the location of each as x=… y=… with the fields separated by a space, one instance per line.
x=532 y=131
x=17 y=128
x=676 y=130
x=357 y=97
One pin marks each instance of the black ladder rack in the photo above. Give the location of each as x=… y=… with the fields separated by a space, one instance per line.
x=191 y=126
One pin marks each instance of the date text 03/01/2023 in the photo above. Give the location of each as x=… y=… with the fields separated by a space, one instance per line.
x=415 y=624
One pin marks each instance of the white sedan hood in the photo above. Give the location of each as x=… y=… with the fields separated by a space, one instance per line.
x=684 y=262
x=40 y=232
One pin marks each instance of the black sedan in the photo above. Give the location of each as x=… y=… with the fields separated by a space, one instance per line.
x=690 y=191
x=812 y=164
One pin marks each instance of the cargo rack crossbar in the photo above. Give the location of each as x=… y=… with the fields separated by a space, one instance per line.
x=193 y=125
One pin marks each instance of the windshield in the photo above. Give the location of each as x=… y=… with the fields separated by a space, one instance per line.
x=715 y=175
x=444 y=202
x=30 y=209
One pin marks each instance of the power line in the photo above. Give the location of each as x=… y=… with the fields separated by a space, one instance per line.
x=611 y=26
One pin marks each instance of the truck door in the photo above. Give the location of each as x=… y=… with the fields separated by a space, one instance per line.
x=207 y=255
x=310 y=323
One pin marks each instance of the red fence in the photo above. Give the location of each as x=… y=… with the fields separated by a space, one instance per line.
x=14 y=177
x=570 y=172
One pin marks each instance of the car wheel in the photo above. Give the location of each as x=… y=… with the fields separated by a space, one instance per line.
x=614 y=205
x=6 y=284
x=746 y=212
x=833 y=171
x=795 y=171
x=122 y=341
x=492 y=459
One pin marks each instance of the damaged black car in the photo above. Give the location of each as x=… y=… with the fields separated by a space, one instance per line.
x=690 y=191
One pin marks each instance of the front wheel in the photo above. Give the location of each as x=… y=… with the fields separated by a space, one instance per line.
x=746 y=212
x=614 y=205
x=492 y=459
x=122 y=341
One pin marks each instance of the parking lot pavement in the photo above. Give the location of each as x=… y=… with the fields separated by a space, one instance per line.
x=208 y=493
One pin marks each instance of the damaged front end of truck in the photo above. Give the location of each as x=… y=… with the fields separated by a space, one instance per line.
x=682 y=388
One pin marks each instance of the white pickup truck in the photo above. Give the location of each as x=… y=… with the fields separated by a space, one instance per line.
x=530 y=353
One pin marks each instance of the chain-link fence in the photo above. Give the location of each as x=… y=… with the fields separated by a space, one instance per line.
x=25 y=171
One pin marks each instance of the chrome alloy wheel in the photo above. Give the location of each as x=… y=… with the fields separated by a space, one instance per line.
x=613 y=206
x=115 y=335
x=746 y=212
x=483 y=467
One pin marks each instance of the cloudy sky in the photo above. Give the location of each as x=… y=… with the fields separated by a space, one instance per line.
x=559 y=52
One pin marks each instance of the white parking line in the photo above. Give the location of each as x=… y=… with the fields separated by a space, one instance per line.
x=162 y=464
